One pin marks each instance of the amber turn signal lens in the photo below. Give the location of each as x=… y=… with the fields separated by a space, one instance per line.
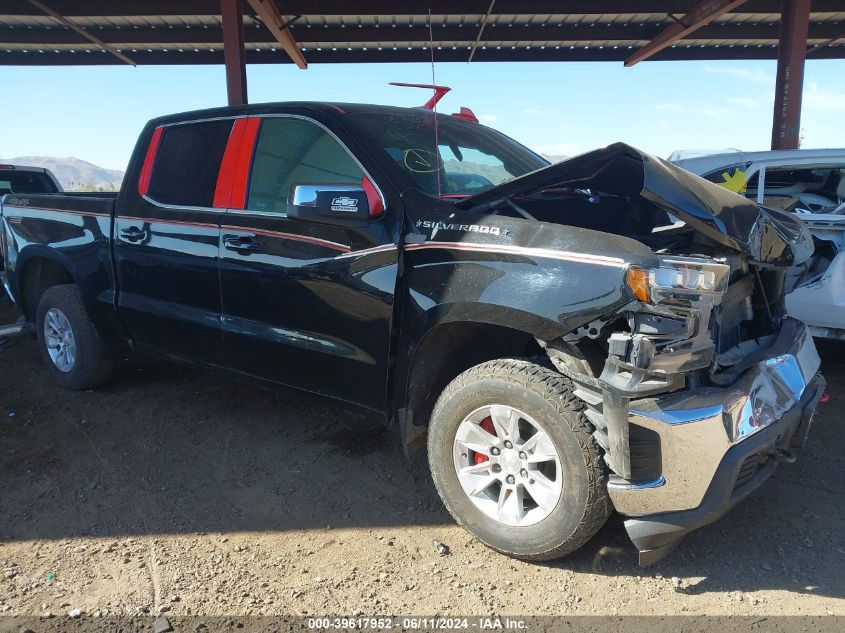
x=638 y=283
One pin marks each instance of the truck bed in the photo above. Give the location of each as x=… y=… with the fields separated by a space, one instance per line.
x=48 y=235
x=93 y=203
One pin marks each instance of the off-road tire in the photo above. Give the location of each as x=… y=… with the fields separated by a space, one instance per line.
x=541 y=392
x=91 y=367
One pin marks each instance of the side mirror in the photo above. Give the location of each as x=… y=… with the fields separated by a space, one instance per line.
x=329 y=204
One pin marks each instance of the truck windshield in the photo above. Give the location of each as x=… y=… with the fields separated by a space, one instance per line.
x=466 y=159
x=22 y=181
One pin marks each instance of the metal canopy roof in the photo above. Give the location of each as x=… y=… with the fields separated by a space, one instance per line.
x=190 y=31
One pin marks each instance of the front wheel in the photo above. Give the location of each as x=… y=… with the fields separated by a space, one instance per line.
x=513 y=459
x=69 y=344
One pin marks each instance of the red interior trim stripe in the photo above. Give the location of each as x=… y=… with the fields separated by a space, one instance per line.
x=149 y=159
x=373 y=197
x=240 y=179
x=223 y=189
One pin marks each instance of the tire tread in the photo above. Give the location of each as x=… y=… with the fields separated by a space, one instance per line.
x=92 y=367
x=558 y=390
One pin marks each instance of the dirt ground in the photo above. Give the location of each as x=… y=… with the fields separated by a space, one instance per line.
x=177 y=491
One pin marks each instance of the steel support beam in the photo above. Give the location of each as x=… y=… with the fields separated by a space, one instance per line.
x=79 y=30
x=830 y=42
x=480 y=30
x=390 y=8
x=823 y=33
x=268 y=12
x=729 y=33
x=401 y=55
x=702 y=14
x=234 y=56
x=792 y=51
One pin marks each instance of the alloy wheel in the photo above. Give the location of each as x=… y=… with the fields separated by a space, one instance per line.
x=58 y=335
x=507 y=465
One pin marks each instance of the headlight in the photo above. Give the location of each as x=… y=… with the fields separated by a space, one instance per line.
x=678 y=277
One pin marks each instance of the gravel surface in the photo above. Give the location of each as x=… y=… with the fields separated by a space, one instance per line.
x=175 y=491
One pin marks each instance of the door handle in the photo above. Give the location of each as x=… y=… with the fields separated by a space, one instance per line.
x=133 y=234
x=241 y=244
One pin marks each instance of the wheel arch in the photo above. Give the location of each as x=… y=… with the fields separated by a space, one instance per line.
x=38 y=269
x=444 y=351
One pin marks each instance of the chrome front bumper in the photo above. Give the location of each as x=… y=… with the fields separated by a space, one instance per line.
x=697 y=429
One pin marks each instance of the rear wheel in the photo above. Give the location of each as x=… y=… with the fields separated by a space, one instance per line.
x=513 y=460
x=68 y=342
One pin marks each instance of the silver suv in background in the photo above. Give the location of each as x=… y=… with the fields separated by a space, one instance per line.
x=810 y=183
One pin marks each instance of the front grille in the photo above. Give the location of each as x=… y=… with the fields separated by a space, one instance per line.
x=747 y=470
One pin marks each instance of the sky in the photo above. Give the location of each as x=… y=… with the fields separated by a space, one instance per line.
x=557 y=108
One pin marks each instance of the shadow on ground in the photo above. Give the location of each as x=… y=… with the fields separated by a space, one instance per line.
x=166 y=450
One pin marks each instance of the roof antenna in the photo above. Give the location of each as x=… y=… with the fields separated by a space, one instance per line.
x=434 y=107
x=431 y=104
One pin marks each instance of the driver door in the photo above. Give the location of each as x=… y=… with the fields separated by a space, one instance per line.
x=306 y=304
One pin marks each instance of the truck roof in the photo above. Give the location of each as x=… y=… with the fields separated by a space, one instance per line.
x=323 y=107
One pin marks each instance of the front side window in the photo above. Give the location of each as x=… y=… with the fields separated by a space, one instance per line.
x=187 y=163
x=293 y=151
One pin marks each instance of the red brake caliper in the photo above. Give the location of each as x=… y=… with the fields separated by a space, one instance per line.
x=487 y=425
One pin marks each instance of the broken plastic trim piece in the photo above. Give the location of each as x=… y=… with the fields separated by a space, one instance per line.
x=439 y=92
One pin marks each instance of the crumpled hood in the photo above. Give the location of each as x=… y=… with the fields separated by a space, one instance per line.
x=766 y=235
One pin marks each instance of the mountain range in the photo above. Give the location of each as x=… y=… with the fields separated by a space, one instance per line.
x=74 y=174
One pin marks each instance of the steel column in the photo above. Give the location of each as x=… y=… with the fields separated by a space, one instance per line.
x=233 y=50
x=792 y=50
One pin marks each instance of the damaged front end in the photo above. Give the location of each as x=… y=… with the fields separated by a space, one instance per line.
x=701 y=384
x=699 y=397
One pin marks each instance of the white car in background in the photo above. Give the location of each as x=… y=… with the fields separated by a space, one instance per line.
x=810 y=183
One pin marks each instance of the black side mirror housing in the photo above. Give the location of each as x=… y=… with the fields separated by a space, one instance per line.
x=341 y=204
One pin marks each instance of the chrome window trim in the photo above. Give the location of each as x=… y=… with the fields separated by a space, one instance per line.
x=260 y=214
x=176 y=207
x=206 y=120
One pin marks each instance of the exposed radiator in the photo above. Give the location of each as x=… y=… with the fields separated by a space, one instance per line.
x=734 y=309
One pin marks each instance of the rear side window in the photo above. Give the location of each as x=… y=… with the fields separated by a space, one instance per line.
x=187 y=162
x=291 y=151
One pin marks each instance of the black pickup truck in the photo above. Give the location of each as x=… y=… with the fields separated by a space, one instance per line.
x=607 y=332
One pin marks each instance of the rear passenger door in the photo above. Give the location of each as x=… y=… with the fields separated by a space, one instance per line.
x=304 y=303
x=166 y=238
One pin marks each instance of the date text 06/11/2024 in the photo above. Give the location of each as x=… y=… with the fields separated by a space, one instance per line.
x=418 y=623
